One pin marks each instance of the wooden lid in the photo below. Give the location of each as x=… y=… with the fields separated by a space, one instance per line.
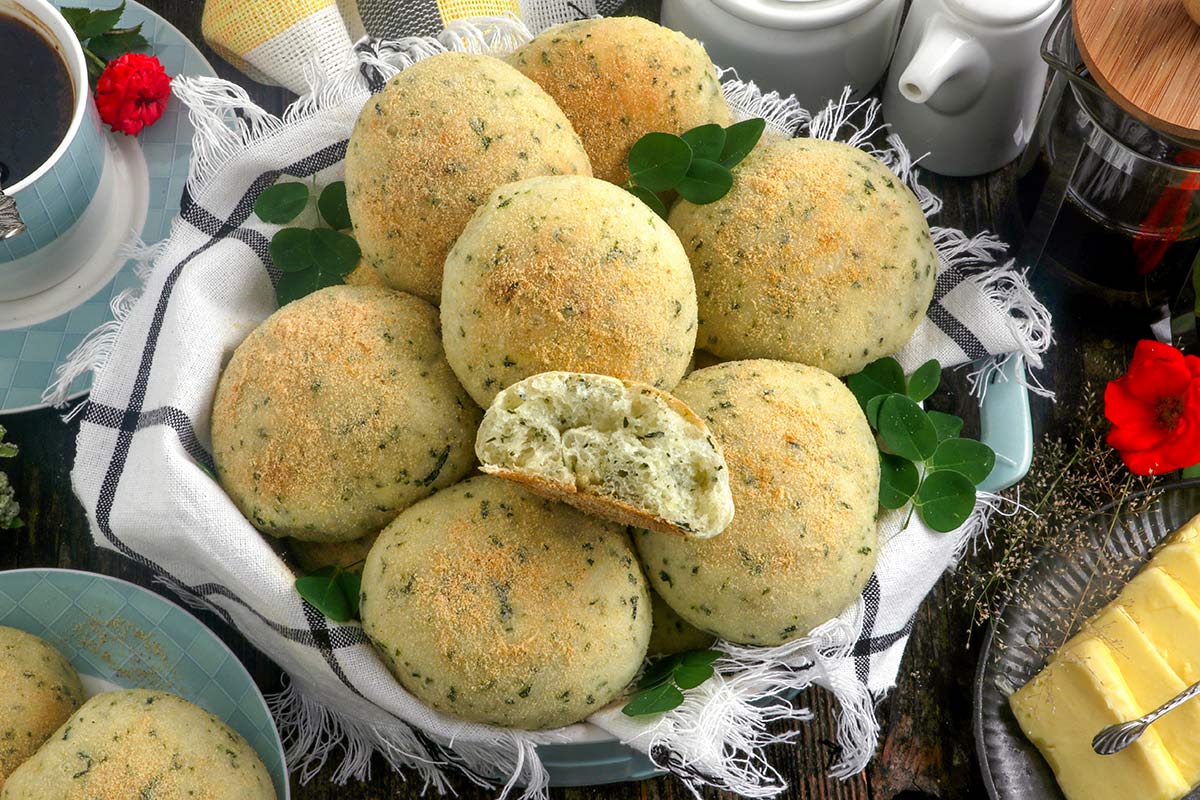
x=1146 y=55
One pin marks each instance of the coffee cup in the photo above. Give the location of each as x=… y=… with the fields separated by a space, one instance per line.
x=53 y=197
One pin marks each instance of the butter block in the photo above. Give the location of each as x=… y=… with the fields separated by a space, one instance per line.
x=1181 y=560
x=1151 y=682
x=1169 y=618
x=1068 y=703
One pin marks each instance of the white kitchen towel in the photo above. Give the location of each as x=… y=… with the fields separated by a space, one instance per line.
x=144 y=474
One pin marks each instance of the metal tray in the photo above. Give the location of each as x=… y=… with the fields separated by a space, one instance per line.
x=1061 y=592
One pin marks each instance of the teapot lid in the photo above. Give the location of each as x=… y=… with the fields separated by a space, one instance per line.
x=1145 y=55
x=1009 y=12
x=796 y=14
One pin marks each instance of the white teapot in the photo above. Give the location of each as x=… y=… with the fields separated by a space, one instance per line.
x=967 y=80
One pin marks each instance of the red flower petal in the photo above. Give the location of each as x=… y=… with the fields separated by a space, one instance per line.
x=1135 y=423
x=132 y=92
x=1156 y=371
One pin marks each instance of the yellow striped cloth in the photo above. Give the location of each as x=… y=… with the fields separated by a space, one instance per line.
x=275 y=41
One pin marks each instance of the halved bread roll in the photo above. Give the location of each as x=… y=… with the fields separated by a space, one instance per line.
x=618 y=449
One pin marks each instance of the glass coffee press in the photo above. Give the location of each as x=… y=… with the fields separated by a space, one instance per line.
x=1119 y=214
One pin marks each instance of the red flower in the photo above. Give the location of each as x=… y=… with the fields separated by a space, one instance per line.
x=132 y=92
x=1154 y=409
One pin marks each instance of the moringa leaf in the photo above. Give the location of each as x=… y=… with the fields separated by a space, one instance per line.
x=947 y=426
x=884 y=376
x=740 y=139
x=898 y=480
x=333 y=252
x=969 y=458
x=351 y=585
x=706 y=182
x=905 y=428
x=290 y=249
x=281 y=203
x=324 y=592
x=706 y=141
x=945 y=500
x=332 y=206
x=654 y=700
x=649 y=198
x=689 y=677
x=658 y=161
x=925 y=380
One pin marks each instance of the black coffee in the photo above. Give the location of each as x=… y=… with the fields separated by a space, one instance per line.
x=36 y=99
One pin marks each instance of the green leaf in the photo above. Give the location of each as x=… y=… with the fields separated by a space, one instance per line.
x=290 y=249
x=947 y=426
x=905 y=428
x=351 y=585
x=898 y=480
x=649 y=198
x=658 y=161
x=1192 y=472
x=87 y=23
x=700 y=658
x=333 y=252
x=324 y=592
x=654 y=700
x=688 y=677
x=659 y=671
x=740 y=140
x=294 y=285
x=879 y=377
x=925 y=380
x=281 y=203
x=945 y=500
x=706 y=141
x=969 y=458
x=114 y=45
x=333 y=208
x=873 y=409
x=7 y=449
x=706 y=182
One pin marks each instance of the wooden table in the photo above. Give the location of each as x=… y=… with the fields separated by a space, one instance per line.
x=927 y=748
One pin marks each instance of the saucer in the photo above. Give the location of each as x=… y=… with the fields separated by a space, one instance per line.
x=140 y=192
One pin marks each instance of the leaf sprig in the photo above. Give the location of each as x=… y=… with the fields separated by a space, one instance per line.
x=100 y=37
x=334 y=591
x=697 y=164
x=922 y=460
x=310 y=258
x=663 y=684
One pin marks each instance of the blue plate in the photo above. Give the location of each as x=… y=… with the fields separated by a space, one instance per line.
x=117 y=634
x=30 y=355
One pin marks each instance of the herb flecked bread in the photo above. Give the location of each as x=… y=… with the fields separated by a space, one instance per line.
x=672 y=633
x=567 y=273
x=39 y=690
x=495 y=605
x=620 y=450
x=429 y=148
x=804 y=469
x=313 y=556
x=338 y=412
x=818 y=254
x=141 y=744
x=618 y=78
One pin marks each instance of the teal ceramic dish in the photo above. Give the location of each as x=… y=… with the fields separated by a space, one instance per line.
x=118 y=635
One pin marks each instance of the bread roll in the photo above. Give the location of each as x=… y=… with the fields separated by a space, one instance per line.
x=429 y=148
x=818 y=254
x=566 y=273
x=804 y=469
x=140 y=744
x=313 y=556
x=338 y=412
x=624 y=451
x=619 y=78
x=40 y=690
x=673 y=634
x=498 y=606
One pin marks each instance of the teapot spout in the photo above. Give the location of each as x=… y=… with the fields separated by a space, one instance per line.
x=946 y=54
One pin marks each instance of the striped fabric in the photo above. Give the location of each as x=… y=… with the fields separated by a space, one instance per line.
x=277 y=41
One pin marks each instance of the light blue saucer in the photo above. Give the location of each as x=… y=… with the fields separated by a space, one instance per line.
x=117 y=634
x=29 y=355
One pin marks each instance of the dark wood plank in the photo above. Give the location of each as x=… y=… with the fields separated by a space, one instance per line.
x=927 y=750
